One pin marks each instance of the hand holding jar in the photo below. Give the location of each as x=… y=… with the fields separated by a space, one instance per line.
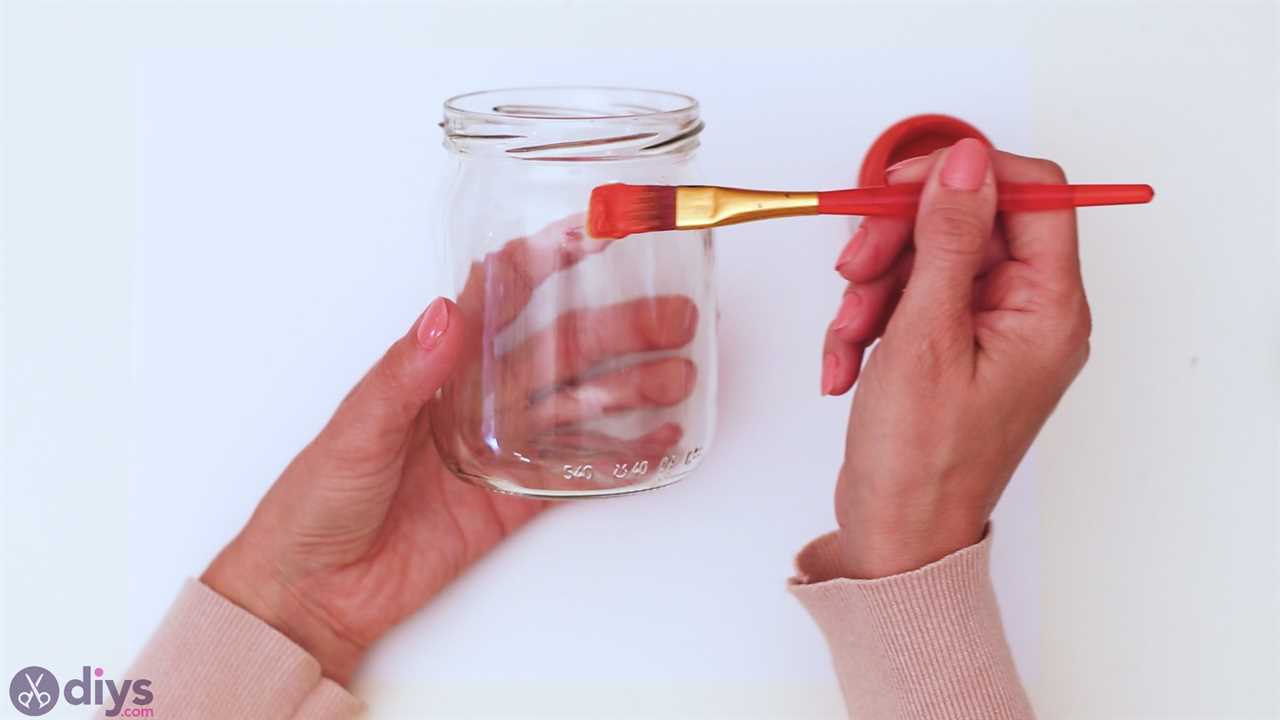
x=367 y=523
x=562 y=370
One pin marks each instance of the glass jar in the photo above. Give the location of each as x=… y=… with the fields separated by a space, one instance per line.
x=589 y=366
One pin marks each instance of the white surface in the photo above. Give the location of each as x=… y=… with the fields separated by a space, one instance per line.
x=215 y=218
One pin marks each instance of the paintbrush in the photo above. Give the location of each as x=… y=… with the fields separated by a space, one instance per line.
x=618 y=210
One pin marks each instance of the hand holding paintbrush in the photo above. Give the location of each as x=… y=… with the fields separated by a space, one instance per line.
x=965 y=365
x=618 y=210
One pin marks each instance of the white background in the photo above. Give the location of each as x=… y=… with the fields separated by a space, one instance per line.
x=215 y=217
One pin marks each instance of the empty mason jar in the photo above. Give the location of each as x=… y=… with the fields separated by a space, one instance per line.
x=590 y=365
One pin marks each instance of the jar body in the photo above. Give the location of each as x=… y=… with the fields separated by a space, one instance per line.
x=589 y=366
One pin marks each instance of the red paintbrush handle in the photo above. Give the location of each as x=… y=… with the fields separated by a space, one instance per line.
x=1017 y=197
x=1014 y=197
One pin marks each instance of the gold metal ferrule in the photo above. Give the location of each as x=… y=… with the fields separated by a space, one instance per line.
x=701 y=206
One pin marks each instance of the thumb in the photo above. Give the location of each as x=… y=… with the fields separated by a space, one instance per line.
x=379 y=413
x=957 y=212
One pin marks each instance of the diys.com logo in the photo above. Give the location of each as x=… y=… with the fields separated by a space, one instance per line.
x=35 y=691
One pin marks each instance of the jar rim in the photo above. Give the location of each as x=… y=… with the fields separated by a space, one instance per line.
x=571 y=123
x=683 y=103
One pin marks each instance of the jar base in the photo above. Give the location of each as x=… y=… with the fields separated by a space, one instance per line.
x=508 y=487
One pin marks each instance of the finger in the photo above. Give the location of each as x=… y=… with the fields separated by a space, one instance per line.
x=874 y=247
x=992 y=286
x=997 y=249
x=841 y=363
x=953 y=224
x=378 y=414
x=879 y=241
x=1044 y=239
x=912 y=170
x=872 y=253
x=657 y=383
x=866 y=307
x=504 y=280
x=1009 y=286
x=580 y=339
x=598 y=444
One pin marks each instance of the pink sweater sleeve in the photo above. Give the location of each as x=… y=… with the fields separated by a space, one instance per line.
x=210 y=658
x=923 y=645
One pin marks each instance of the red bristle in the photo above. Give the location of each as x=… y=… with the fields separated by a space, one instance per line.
x=618 y=210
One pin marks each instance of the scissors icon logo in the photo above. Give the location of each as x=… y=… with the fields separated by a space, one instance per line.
x=34 y=691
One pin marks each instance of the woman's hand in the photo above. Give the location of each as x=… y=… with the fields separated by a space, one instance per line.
x=974 y=353
x=367 y=524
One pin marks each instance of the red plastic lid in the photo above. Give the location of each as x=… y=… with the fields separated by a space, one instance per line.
x=912 y=137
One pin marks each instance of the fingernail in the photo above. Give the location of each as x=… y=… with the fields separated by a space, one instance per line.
x=965 y=166
x=830 y=366
x=848 y=311
x=687 y=324
x=433 y=324
x=903 y=163
x=853 y=249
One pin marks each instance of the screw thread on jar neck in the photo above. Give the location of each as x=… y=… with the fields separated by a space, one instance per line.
x=571 y=124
